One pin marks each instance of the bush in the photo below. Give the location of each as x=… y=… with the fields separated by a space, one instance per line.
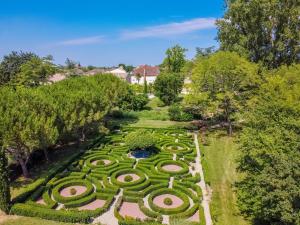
x=140 y=139
x=176 y=113
x=73 y=191
x=168 y=201
x=128 y=178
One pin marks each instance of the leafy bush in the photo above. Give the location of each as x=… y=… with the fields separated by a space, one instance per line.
x=140 y=139
x=176 y=113
x=73 y=191
x=128 y=178
x=168 y=201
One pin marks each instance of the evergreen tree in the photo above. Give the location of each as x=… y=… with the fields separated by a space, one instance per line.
x=4 y=183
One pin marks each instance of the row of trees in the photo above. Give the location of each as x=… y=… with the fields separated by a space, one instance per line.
x=37 y=118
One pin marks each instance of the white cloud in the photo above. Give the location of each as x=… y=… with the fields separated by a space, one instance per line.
x=82 y=41
x=166 y=30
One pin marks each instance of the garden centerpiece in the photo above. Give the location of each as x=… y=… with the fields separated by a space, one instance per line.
x=141 y=143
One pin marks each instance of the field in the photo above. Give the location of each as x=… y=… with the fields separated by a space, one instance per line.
x=106 y=184
x=220 y=172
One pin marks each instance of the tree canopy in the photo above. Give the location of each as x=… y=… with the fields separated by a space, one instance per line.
x=270 y=143
x=175 y=59
x=11 y=65
x=262 y=30
x=222 y=83
x=140 y=139
x=168 y=86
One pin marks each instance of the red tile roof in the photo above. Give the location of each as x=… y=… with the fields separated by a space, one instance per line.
x=146 y=70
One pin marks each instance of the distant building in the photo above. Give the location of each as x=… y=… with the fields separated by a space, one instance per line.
x=119 y=72
x=144 y=72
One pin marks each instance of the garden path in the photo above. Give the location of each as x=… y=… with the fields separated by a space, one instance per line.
x=109 y=218
x=206 y=195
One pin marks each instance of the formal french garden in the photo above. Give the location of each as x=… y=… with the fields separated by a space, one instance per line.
x=108 y=175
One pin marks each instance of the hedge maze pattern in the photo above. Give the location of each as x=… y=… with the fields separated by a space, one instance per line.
x=164 y=184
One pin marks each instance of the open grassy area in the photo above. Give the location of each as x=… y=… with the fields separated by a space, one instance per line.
x=19 y=220
x=154 y=116
x=219 y=170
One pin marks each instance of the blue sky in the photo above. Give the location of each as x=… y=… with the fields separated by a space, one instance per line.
x=105 y=33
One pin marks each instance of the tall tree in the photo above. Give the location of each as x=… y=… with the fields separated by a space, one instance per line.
x=269 y=192
x=34 y=72
x=223 y=81
x=4 y=183
x=168 y=86
x=11 y=65
x=262 y=30
x=175 y=59
x=70 y=64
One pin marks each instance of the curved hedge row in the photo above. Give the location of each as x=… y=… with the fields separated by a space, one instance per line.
x=169 y=211
x=184 y=170
x=118 y=173
x=59 y=198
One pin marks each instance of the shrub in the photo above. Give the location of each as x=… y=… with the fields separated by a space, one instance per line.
x=128 y=178
x=100 y=163
x=168 y=201
x=140 y=139
x=73 y=191
x=176 y=113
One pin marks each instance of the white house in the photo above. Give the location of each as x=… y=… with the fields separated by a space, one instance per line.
x=144 y=72
x=119 y=72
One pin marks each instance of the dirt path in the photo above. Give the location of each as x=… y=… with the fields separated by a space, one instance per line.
x=205 y=191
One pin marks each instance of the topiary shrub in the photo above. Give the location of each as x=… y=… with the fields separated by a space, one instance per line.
x=140 y=139
x=73 y=191
x=100 y=163
x=128 y=178
x=168 y=201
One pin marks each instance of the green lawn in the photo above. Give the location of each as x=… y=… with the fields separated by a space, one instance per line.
x=219 y=170
x=30 y=221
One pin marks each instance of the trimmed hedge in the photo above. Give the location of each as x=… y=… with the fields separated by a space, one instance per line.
x=58 y=197
x=118 y=173
x=169 y=211
x=184 y=170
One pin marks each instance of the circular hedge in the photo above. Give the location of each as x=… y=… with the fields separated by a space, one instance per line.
x=59 y=198
x=169 y=211
x=115 y=175
x=89 y=161
x=184 y=166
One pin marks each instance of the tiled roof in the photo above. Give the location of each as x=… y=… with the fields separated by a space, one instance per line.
x=146 y=70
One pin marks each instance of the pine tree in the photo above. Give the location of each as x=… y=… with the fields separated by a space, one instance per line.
x=4 y=183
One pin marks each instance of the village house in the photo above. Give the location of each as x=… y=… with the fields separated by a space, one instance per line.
x=144 y=73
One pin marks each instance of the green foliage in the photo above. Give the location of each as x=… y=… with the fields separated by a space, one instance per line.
x=11 y=64
x=140 y=139
x=4 y=183
x=36 y=118
x=168 y=86
x=128 y=178
x=133 y=101
x=70 y=64
x=270 y=160
x=175 y=59
x=222 y=84
x=176 y=113
x=168 y=201
x=262 y=30
x=34 y=72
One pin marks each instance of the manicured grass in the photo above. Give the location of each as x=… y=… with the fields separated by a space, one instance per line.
x=18 y=220
x=157 y=123
x=219 y=170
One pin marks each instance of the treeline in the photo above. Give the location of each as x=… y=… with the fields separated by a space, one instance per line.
x=37 y=118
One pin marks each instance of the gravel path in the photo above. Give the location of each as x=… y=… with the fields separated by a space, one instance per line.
x=109 y=218
x=206 y=197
